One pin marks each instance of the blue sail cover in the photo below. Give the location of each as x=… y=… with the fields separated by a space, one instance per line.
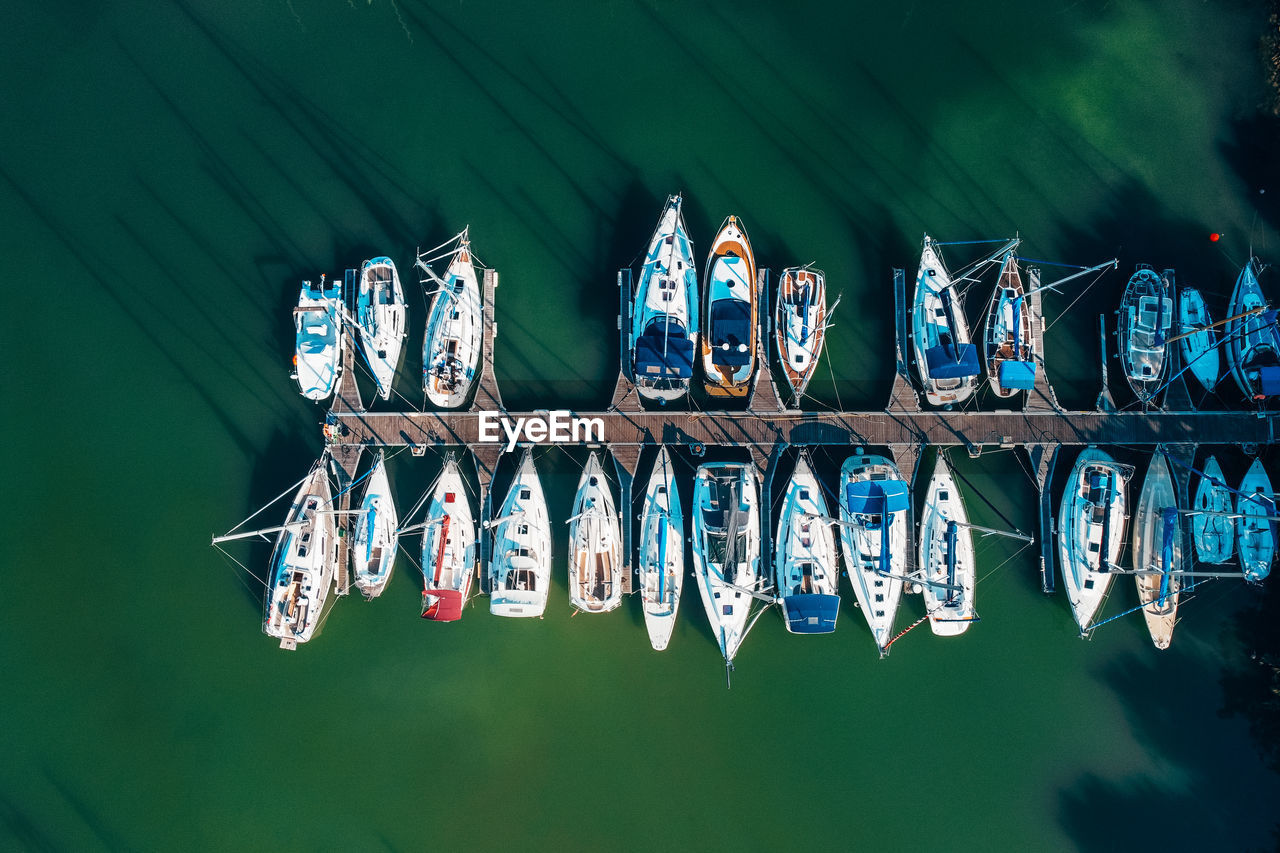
x=1166 y=550
x=1018 y=374
x=877 y=497
x=811 y=613
x=950 y=362
x=653 y=363
x=730 y=324
x=1269 y=381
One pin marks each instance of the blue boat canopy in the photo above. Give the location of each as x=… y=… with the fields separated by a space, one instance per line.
x=951 y=362
x=730 y=332
x=653 y=363
x=877 y=497
x=811 y=613
x=1269 y=381
x=1018 y=374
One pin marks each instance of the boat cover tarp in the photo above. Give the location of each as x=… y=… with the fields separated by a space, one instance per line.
x=1269 y=381
x=949 y=362
x=1169 y=530
x=811 y=613
x=653 y=362
x=442 y=605
x=877 y=497
x=1018 y=374
x=730 y=324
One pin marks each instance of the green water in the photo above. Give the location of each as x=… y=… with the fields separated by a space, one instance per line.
x=170 y=173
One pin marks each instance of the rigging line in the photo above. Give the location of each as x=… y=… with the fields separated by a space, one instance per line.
x=1051 y=263
x=269 y=503
x=1024 y=547
x=974 y=489
x=1079 y=296
x=973 y=242
x=246 y=569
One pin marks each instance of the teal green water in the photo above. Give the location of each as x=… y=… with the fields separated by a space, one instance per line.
x=170 y=173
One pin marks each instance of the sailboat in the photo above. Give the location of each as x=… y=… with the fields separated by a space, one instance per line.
x=664 y=319
x=1256 y=528
x=875 y=517
x=1006 y=337
x=1091 y=528
x=805 y=567
x=454 y=329
x=448 y=548
x=661 y=563
x=729 y=340
x=1197 y=340
x=1253 y=342
x=317 y=322
x=595 y=544
x=520 y=562
x=1146 y=315
x=381 y=318
x=726 y=548
x=302 y=564
x=1157 y=551
x=800 y=324
x=947 y=362
x=1213 y=528
x=376 y=540
x=947 y=570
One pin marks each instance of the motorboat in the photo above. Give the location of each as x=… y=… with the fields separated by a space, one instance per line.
x=595 y=543
x=726 y=548
x=800 y=324
x=1197 y=340
x=1213 y=526
x=520 y=561
x=875 y=523
x=317 y=321
x=947 y=574
x=376 y=540
x=1253 y=342
x=454 y=329
x=729 y=340
x=1007 y=338
x=664 y=316
x=661 y=552
x=805 y=569
x=1256 y=528
x=1157 y=551
x=302 y=564
x=1091 y=527
x=946 y=360
x=1146 y=315
x=449 y=547
x=381 y=317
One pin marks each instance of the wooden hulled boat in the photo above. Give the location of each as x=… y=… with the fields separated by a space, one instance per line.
x=732 y=322
x=800 y=324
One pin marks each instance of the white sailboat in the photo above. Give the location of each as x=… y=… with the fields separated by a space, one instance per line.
x=595 y=543
x=946 y=360
x=1212 y=527
x=947 y=570
x=1007 y=340
x=726 y=548
x=376 y=540
x=875 y=517
x=1146 y=315
x=1256 y=529
x=661 y=552
x=302 y=564
x=1197 y=339
x=1157 y=551
x=454 y=329
x=449 y=548
x=805 y=567
x=664 y=318
x=1091 y=528
x=317 y=322
x=1252 y=338
x=520 y=562
x=800 y=324
x=381 y=317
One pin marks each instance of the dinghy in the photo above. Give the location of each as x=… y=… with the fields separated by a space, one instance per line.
x=1157 y=551
x=449 y=548
x=1007 y=339
x=661 y=563
x=1146 y=315
x=805 y=567
x=800 y=324
x=520 y=562
x=726 y=548
x=664 y=317
x=302 y=565
x=729 y=340
x=946 y=360
x=1197 y=341
x=454 y=329
x=595 y=544
x=1091 y=528
x=376 y=542
x=381 y=318
x=875 y=518
x=1255 y=529
x=947 y=571
x=317 y=322
x=1212 y=527
x=1253 y=342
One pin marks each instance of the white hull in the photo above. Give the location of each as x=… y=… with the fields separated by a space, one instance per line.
x=1253 y=345
x=1159 y=600
x=376 y=542
x=1146 y=316
x=317 y=323
x=520 y=565
x=938 y=321
x=661 y=552
x=726 y=585
x=302 y=564
x=1214 y=534
x=731 y=318
x=950 y=610
x=1091 y=528
x=449 y=548
x=1255 y=537
x=800 y=319
x=805 y=562
x=666 y=306
x=595 y=544
x=454 y=333
x=1199 y=347
x=863 y=537
x=381 y=316
x=1007 y=333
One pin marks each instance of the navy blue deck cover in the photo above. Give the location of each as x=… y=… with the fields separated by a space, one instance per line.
x=730 y=324
x=951 y=362
x=650 y=360
x=811 y=613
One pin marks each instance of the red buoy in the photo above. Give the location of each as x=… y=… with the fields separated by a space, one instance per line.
x=1213 y=238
